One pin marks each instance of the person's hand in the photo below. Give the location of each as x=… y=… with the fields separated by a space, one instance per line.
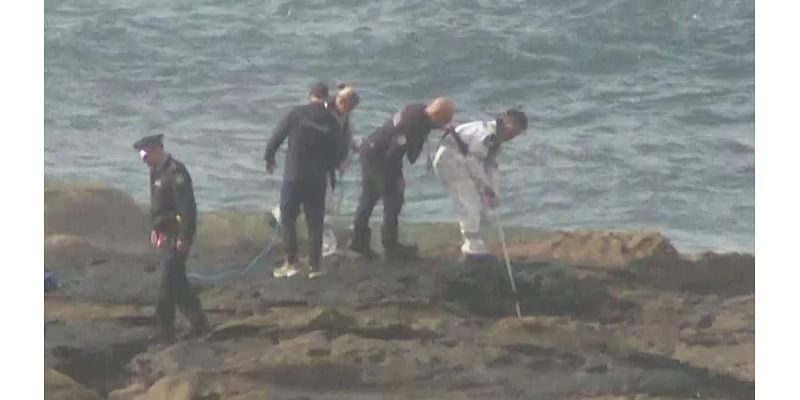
x=493 y=201
x=183 y=246
x=270 y=167
x=157 y=239
x=355 y=145
x=449 y=127
x=491 y=197
x=401 y=184
x=343 y=166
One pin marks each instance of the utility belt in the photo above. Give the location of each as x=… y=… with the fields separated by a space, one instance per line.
x=170 y=225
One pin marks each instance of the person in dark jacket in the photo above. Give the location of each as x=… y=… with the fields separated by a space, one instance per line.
x=381 y=155
x=173 y=212
x=313 y=134
x=341 y=106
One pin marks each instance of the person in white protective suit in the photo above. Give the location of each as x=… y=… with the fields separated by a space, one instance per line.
x=466 y=163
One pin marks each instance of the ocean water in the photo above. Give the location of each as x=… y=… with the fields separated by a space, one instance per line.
x=642 y=111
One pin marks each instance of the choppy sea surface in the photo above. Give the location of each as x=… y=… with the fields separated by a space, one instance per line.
x=642 y=111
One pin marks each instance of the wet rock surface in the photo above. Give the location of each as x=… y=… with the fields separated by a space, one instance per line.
x=432 y=329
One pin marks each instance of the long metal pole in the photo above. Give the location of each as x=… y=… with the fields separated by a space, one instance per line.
x=508 y=263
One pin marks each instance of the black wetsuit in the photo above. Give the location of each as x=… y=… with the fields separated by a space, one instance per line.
x=312 y=153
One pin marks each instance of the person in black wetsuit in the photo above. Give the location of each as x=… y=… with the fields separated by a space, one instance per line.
x=314 y=135
x=381 y=155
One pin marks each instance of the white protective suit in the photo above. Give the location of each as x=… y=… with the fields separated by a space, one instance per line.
x=464 y=177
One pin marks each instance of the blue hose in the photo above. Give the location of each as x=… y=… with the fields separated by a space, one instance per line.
x=50 y=281
x=217 y=276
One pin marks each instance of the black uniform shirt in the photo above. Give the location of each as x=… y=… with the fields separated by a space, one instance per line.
x=404 y=134
x=172 y=205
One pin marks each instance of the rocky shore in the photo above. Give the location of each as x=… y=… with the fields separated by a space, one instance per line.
x=607 y=315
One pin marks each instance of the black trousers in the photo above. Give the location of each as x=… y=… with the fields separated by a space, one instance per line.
x=310 y=193
x=175 y=291
x=379 y=183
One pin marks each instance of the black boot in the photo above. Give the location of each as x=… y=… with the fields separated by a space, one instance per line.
x=478 y=259
x=360 y=243
x=401 y=252
x=199 y=325
x=163 y=338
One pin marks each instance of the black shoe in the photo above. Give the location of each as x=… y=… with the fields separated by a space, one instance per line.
x=200 y=327
x=401 y=252
x=360 y=243
x=160 y=340
x=316 y=273
x=478 y=259
x=364 y=251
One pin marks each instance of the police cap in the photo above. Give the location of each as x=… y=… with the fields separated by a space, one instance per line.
x=149 y=141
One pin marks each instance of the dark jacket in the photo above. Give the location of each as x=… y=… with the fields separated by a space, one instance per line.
x=172 y=205
x=345 y=138
x=345 y=132
x=403 y=134
x=313 y=134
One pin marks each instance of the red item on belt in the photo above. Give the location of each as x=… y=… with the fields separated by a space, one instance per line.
x=158 y=239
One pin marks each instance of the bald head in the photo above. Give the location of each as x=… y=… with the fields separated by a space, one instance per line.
x=440 y=111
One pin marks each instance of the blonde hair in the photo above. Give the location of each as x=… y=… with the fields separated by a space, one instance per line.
x=346 y=92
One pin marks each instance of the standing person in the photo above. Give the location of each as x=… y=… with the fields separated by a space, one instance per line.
x=174 y=216
x=381 y=158
x=341 y=106
x=466 y=163
x=313 y=134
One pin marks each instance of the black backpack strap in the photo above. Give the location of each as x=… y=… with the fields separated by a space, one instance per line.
x=462 y=146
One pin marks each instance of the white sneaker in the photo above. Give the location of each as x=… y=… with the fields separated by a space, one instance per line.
x=329 y=243
x=286 y=271
x=276 y=213
x=316 y=274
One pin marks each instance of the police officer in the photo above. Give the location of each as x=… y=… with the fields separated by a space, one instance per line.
x=174 y=217
x=314 y=136
x=466 y=163
x=381 y=155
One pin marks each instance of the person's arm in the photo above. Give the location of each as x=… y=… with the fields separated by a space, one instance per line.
x=491 y=173
x=478 y=141
x=278 y=136
x=416 y=140
x=399 y=141
x=476 y=170
x=491 y=168
x=345 y=144
x=157 y=219
x=187 y=208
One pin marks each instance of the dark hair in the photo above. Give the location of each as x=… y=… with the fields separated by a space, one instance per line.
x=318 y=89
x=519 y=117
